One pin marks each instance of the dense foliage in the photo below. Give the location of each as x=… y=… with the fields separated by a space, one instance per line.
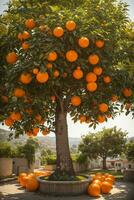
x=104 y=144
x=6 y=150
x=39 y=102
x=130 y=150
x=27 y=150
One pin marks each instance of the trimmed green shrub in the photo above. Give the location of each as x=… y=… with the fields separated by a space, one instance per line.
x=5 y=150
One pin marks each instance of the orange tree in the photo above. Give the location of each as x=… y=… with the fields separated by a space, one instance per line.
x=63 y=57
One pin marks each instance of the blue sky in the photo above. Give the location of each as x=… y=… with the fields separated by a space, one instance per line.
x=77 y=129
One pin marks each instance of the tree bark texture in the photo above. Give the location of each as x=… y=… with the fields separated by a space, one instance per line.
x=64 y=161
x=104 y=163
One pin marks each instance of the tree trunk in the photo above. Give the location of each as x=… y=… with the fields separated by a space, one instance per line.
x=104 y=163
x=64 y=161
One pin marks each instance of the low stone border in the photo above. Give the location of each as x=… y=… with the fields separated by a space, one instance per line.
x=64 y=187
x=3 y=180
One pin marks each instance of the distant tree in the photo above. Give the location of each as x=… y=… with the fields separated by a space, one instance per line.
x=130 y=150
x=27 y=150
x=45 y=153
x=106 y=143
x=30 y=149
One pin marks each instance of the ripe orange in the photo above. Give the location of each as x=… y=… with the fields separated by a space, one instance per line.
x=88 y=120
x=19 y=92
x=25 y=78
x=71 y=56
x=70 y=25
x=97 y=177
x=42 y=77
x=92 y=86
x=30 y=23
x=20 y=36
x=35 y=71
x=58 y=32
x=82 y=118
x=109 y=180
x=101 y=118
x=15 y=116
x=8 y=122
x=29 y=111
x=112 y=177
x=26 y=35
x=91 y=77
x=127 y=92
x=83 y=42
x=56 y=73
x=94 y=190
x=75 y=100
x=128 y=106
x=25 y=46
x=106 y=187
x=103 y=107
x=99 y=43
x=53 y=98
x=49 y=65
x=11 y=57
x=114 y=98
x=93 y=59
x=29 y=133
x=78 y=73
x=52 y=56
x=35 y=131
x=45 y=131
x=107 y=79
x=38 y=117
x=97 y=70
x=97 y=182
x=106 y=175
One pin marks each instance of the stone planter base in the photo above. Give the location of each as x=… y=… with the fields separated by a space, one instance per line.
x=64 y=187
x=6 y=167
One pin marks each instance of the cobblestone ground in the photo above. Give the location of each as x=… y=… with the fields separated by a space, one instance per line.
x=12 y=191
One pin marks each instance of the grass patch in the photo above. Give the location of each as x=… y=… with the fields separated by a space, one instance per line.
x=65 y=178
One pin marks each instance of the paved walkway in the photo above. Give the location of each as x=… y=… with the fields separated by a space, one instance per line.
x=12 y=191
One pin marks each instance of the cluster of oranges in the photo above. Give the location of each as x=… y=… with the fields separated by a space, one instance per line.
x=71 y=56
x=34 y=132
x=103 y=107
x=101 y=183
x=29 y=181
x=16 y=116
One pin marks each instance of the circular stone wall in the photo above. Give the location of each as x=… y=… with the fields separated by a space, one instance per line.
x=64 y=187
